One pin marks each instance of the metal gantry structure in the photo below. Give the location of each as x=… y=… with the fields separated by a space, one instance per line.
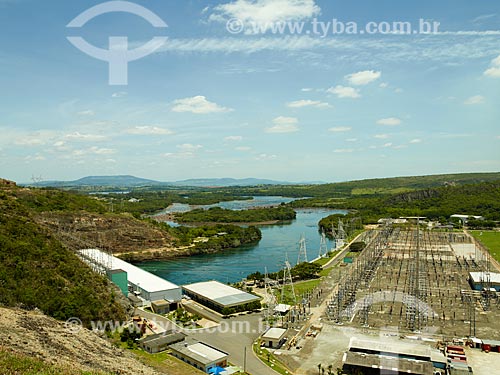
x=415 y=279
x=302 y=257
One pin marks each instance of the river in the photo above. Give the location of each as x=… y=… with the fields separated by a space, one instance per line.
x=278 y=241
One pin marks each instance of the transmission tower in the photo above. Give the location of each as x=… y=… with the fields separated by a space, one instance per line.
x=270 y=298
x=302 y=251
x=287 y=281
x=323 y=249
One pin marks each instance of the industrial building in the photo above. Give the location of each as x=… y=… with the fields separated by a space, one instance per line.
x=200 y=355
x=484 y=280
x=160 y=342
x=147 y=286
x=274 y=337
x=218 y=296
x=373 y=357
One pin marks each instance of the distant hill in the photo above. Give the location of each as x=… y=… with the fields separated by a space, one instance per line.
x=117 y=181
x=132 y=181
x=227 y=182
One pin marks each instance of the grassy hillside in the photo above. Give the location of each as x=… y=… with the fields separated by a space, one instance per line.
x=379 y=186
x=439 y=203
x=37 y=271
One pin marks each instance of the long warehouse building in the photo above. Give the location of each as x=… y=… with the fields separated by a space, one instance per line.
x=218 y=296
x=148 y=286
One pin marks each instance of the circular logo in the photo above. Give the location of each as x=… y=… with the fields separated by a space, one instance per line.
x=73 y=325
x=235 y=26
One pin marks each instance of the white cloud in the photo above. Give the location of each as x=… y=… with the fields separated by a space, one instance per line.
x=339 y=129
x=388 y=144
x=36 y=157
x=351 y=140
x=308 y=103
x=283 y=125
x=383 y=85
x=119 y=94
x=186 y=151
x=243 y=148
x=188 y=147
x=93 y=150
x=381 y=136
x=363 y=78
x=306 y=89
x=263 y=157
x=265 y=11
x=233 y=138
x=77 y=136
x=416 y=140
x=30 y=141
x=494 y=71
x=197 y=104
x=343 y=150
x=87 y=112
x=390 y=121
x=149 y=130
x=399 y=147
x=344 y=92
x=476 y=99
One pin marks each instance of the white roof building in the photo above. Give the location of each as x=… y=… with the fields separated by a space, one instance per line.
x=217 y=295
x=150 y=287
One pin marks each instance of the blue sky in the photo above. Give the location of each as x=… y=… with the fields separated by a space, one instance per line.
x=287 y=106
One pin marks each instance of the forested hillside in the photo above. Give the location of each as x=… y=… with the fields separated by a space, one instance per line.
x=481 y=199
x=37 y=271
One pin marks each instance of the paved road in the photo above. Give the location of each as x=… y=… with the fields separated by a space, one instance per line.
x=234 y=342
x=233 y=336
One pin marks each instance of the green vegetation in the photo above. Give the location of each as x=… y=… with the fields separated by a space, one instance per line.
x=372 y=187
x=37 y=271
x=489 y=239
x=270 y=360
x=301 y=288
x=440 y=203
x=14 y=363
x=184 y=318
x=302 y=271
x=147 y=202
x=220 y=215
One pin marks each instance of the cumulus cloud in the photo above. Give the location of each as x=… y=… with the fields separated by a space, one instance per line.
x=283 y=124
x=339 y=129
x=381 y=136
x=87 y=112
x=77 y=136
x=308 y=103
x=264 y=157
x=185 y=151
x=344 y=92
x=363 y=78
x=233 y=138
x=476 y=99
x=416 y=140
x=494 y=71
x=265 y=11
x=197 y=104
x=390 y=121
x=149 y=130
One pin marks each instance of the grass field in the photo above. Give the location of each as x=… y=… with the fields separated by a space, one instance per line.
x=299 y=288
x=490 y=239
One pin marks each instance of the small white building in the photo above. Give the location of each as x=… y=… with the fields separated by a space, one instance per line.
x=274 y=337
x=200 y=355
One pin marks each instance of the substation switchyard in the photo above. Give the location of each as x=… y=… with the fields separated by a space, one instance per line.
x=413 y=280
